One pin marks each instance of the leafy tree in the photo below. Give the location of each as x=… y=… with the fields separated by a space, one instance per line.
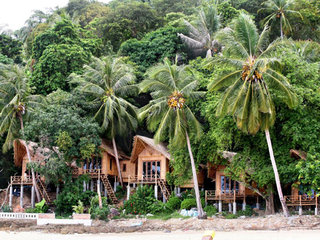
x=202 y=32
x=15 y=102
x=246 y=86
x=154 y=47
x=108 y=81
x=168 y=113
x=166 y=6
x=280 y=9
x=130 y=20
x=10 y=49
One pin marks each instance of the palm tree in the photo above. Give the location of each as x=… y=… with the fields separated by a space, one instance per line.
x=279 y=9
x=202 y=33
x=168 y=113
x=15 y=102
x=108 y=80
x=246 y=88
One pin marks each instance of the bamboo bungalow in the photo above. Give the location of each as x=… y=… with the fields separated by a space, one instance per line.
x=225 y=189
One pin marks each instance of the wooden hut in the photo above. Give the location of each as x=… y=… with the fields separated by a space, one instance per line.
x=225 y=189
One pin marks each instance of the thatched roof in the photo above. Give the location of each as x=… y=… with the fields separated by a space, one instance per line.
x=140 y=143
x=298 y=154
x=37 y=153
x=108 y=147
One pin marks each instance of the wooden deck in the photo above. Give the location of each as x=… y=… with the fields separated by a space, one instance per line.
x=18 y=180
x=301 y=200
x=93 y=173
x=230 y=196
x=143 y=180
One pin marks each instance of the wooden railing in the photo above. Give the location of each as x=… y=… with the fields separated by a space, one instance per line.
x=92 y=172
x=142 y=179
x=26 y=180
x=229 y=195
x=301 y=200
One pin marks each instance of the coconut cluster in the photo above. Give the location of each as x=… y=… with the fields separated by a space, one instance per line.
x=176 y=100
x=247 y=69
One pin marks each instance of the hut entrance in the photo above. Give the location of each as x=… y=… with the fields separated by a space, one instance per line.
x=151 y=170
x=228 y=185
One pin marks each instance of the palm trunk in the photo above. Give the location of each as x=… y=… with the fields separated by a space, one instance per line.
x=117 y=159
x=281 y=30
x=195 y=179
x=29 y=159
x=276 y=175
x=99 y=191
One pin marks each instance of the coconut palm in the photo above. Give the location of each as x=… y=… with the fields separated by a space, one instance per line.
x=202 y=32
x=280 y=9
x=247 y=87
x=168 y=114
x=16 y=102
x=108 y=80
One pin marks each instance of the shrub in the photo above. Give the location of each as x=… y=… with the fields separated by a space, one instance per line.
x=210 y=210
x=120 y=193
x=96 y=212
x=78 y=208
x=231 y=216
x=40 y=207
x=248 y=212
x=6 y=208
x=143 y=202
x=188 y=203
x=174 y=203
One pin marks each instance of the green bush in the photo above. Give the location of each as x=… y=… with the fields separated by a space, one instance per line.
x=143 y=202
x=174 y=203
x=231 y=216
x=40 y=207
x=121 y=192
x=96 y=212
x=210 y=210
x=248 y=212
x=188 y=203
x=6 y=208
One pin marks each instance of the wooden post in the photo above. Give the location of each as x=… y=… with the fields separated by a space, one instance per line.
x=156 y=191
x=84 y=186
x=115 y=184
x=316 y=208
x=205 y=197
x=57 y=190
x=32 y=197
x=179 y=190
x=128 y=191
x=91 y=185
x=300 y=205
x=10 y=196
x=21 y=196
x=244 y=201
x=234 y=202
x=258 y=204
x=230 y=207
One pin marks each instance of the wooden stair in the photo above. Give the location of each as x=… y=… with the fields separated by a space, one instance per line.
x=164 y=188
x=42 y=190
x=109 y=189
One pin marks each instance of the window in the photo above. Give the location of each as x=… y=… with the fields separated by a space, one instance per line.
x=151 y=169
x=124 y=167
x=110 y=162
x=228 y=185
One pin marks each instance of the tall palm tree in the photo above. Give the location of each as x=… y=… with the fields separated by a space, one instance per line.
x=108 y=80
x=202 y=32
x=280 y=9
x=246 y=88
x=15 y=103
x=168 y=113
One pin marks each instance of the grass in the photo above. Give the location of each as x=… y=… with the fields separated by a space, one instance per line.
x=167 y=216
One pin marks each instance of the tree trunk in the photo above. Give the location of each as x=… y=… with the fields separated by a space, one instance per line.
x=117 y=159
x=195 y=180
x=209 y=54
x=270 y=203
x=281 y=30
x=29 y=158
x=99 y=191
x=276 y=175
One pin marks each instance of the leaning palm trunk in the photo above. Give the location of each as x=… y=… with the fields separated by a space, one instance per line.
x=195 y=179
x=29 y=159
x=276 y=175
x=117 y=159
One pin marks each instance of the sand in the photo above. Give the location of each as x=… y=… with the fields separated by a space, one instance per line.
x=188 y=235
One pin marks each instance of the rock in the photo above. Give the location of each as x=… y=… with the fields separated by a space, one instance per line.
x=149 y=215
x=114 y=212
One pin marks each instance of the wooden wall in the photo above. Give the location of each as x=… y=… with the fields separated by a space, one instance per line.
x=149 y=155
x=130 y=170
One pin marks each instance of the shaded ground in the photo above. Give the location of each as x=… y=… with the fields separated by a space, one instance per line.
x=189 y=235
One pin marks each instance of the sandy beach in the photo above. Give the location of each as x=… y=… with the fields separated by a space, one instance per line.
x=189 y=235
